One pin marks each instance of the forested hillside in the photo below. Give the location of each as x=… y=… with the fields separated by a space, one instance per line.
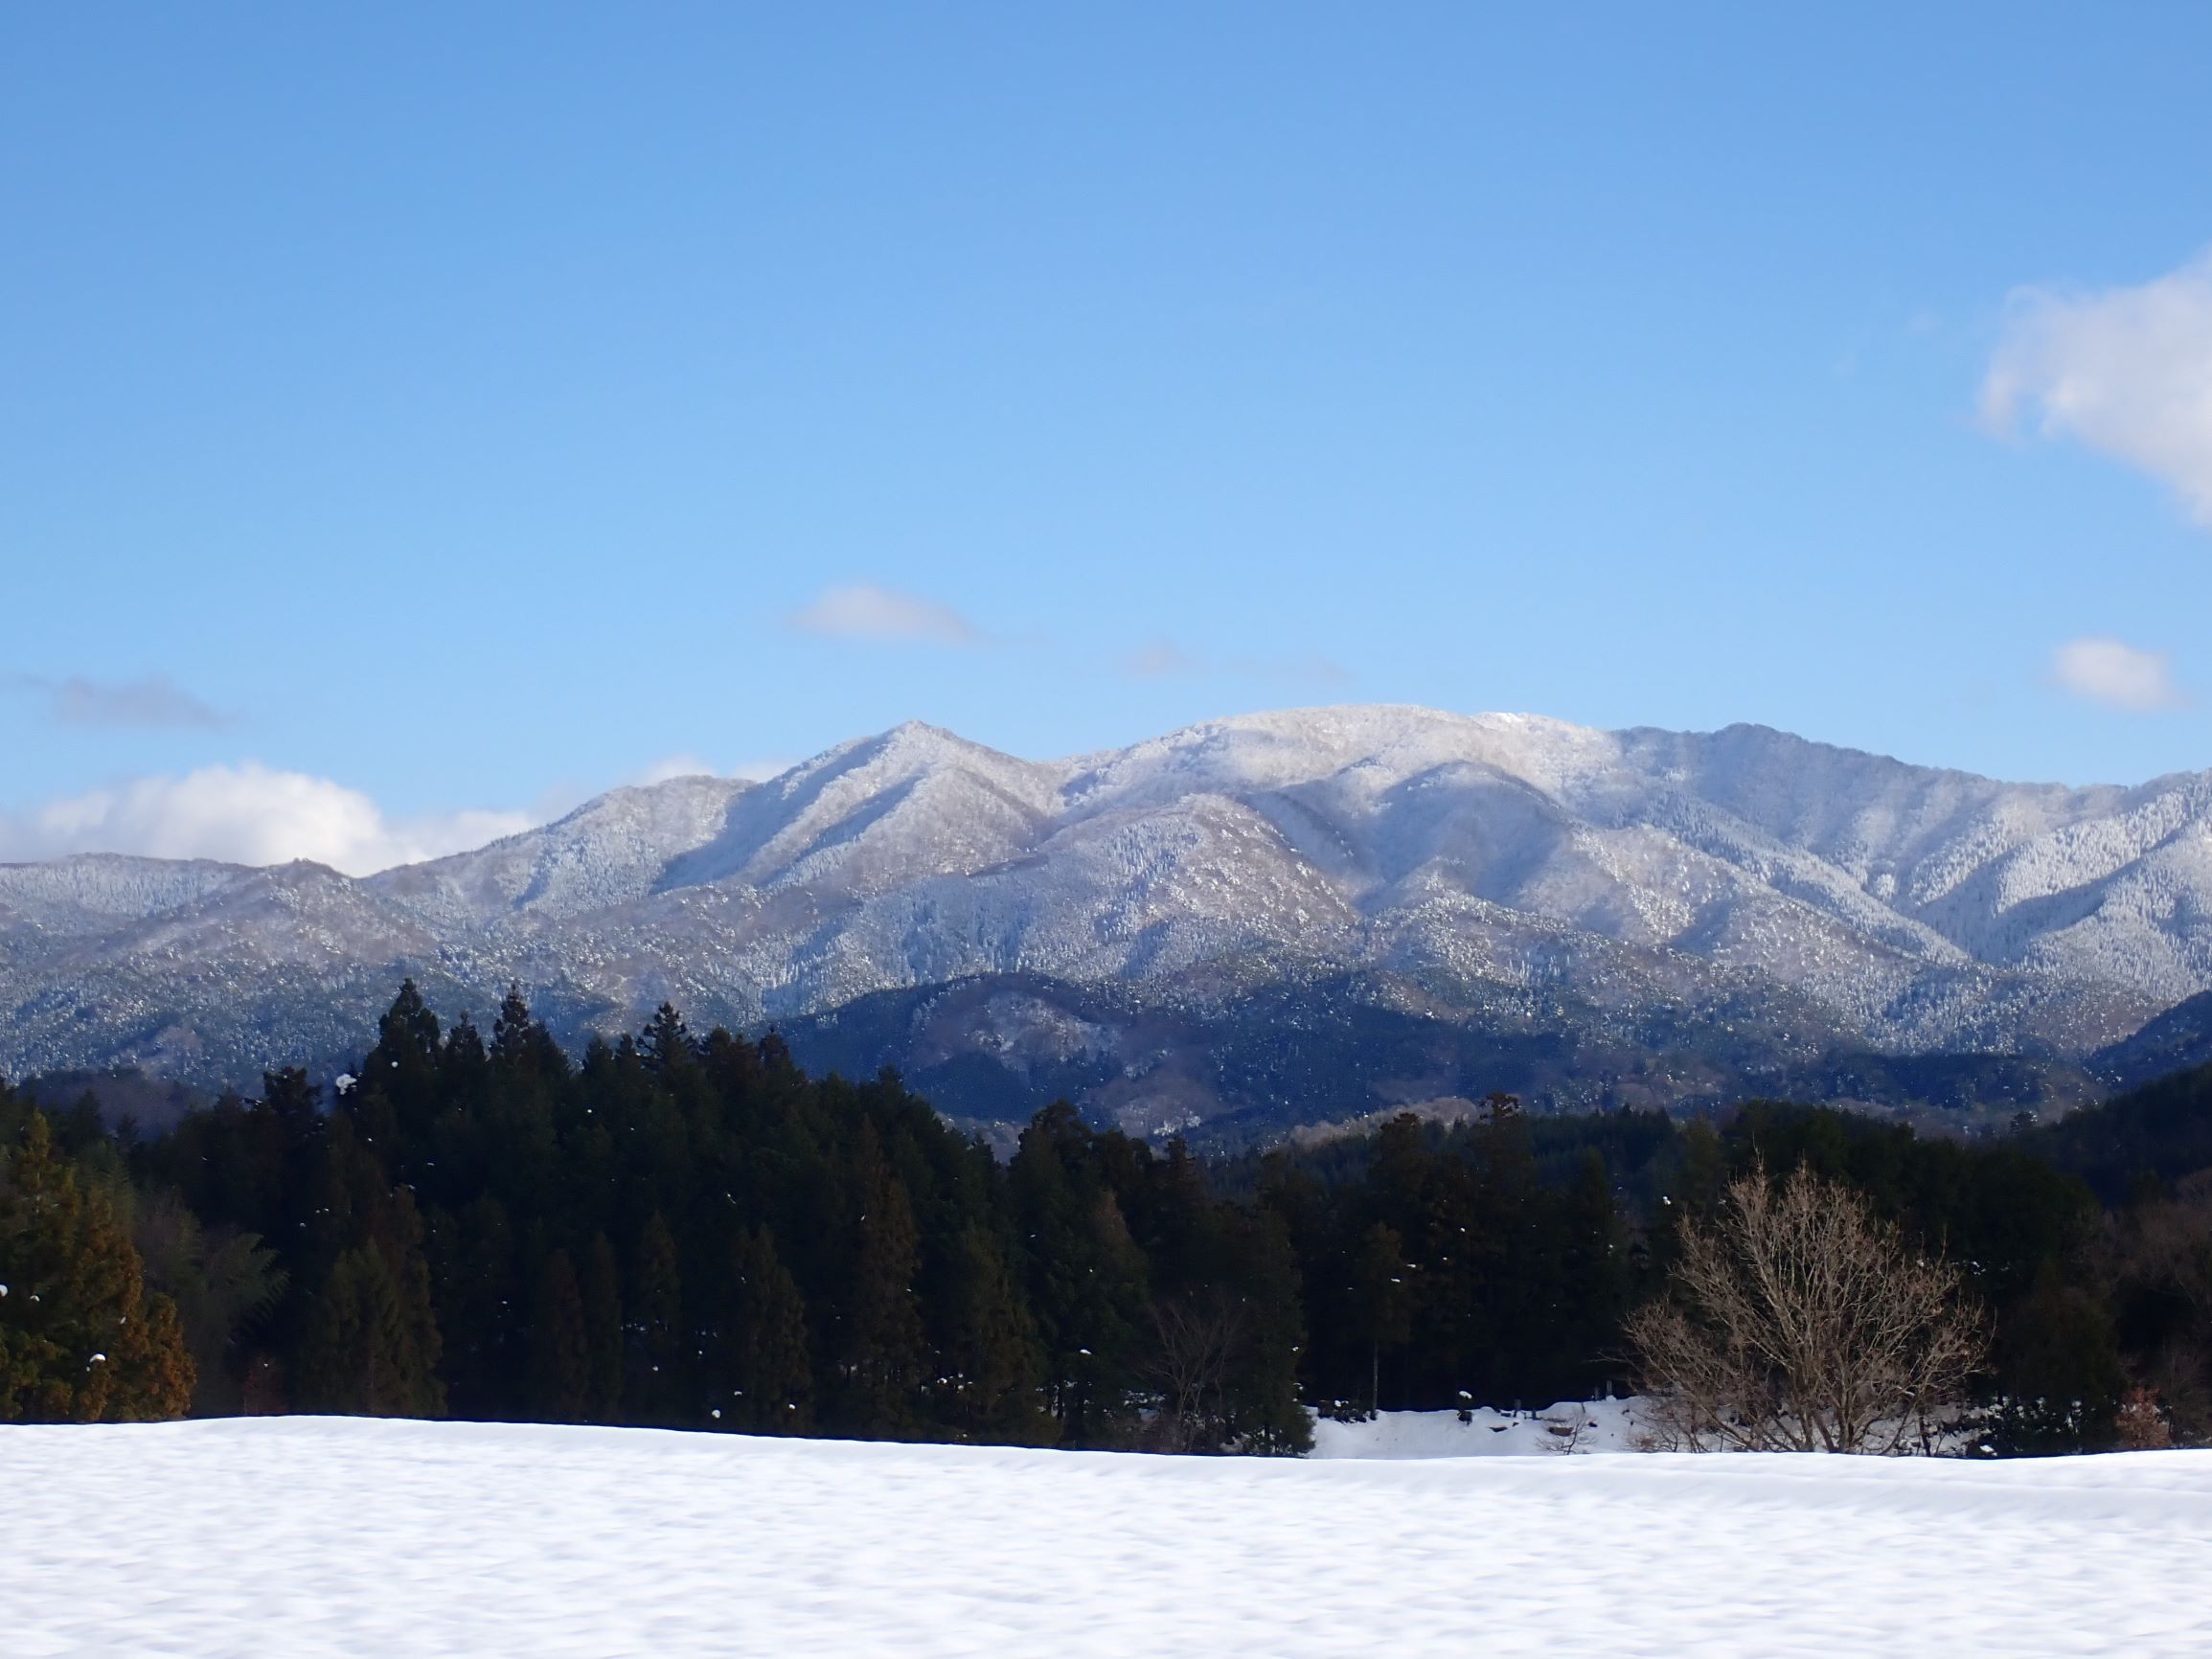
x=691 y=1232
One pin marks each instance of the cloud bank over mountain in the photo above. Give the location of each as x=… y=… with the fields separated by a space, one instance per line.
x=246 y=814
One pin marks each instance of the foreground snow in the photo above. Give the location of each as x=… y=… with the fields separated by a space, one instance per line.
x=1597 y=1426
x=308 y=1537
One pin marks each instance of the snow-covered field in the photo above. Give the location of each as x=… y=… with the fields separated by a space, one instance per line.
x=1598 y=1425
x=307 y=1536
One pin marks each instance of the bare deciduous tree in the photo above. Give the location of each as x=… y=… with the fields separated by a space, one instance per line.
x=1194 y=1345
x=1800 y=1321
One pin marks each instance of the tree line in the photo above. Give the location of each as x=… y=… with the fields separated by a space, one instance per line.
x=690 y=1232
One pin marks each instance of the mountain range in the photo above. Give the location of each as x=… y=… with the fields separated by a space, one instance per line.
x=1308 y=915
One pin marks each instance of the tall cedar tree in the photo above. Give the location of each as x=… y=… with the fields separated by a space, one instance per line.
x=80 y=1339
x=657 y=1374
x=601 y=1293
x=886 y=1354
x=766 y=1376
x=994 y=1389
x=1087 y=1277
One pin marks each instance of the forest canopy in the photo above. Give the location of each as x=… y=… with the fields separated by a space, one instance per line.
x=690 y=1232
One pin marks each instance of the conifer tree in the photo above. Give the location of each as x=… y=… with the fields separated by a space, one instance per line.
x=403 y=1066
x=1591 y=1253
x=353 y=1357
x=603 y=1330
x=221 y=1281
x=369 y=1343
x=464 y=1075
x=886 y=1352
x=1264 y=1413
x=996 y=1371
x=559 y=1350
x=81 y=1341
x=292 y=1100
x=770 y=1380
x=1087 y=1277
x=665 y=1045
x=522 y=1050
x=1381 y=1300
x=402 y=1238
x=480 y=1305
x=656 y=1323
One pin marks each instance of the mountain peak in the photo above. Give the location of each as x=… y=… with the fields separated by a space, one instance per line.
x=1466 y=861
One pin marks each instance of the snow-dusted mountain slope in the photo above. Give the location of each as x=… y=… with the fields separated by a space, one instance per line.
x=1449 y=858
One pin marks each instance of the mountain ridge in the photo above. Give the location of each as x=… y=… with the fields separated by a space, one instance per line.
x=1440 y=861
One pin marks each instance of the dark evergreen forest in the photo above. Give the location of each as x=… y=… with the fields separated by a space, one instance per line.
x=690 y=1232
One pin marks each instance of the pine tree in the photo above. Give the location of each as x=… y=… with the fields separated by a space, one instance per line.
x=1592 y=1269
x=1381 y=1300
x=1086 y=1276
x=665 y=1044
x=80 y=1339
x=997 y=1370
x=1264 y=1413
x=559 y=1349
x=602 y=1331
x=402 y=1238
x=885 y=1349
x=480 y=1305
x=463 y=1076
x=403 y=1066
x=369 y=1343
x=656 y=1323
x=353 y=1356
x=522 y=1050
x=220 y=1282
x=771 y=1373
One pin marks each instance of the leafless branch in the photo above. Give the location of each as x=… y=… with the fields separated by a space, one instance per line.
x=1800 y=1321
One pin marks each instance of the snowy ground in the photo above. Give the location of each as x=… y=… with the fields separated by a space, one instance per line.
x=1598 y=1425
x=308 y=1537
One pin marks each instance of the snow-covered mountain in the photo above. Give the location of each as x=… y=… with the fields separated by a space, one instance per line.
x=1440 y=863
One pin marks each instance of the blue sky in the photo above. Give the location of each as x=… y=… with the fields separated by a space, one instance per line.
x=437 y=410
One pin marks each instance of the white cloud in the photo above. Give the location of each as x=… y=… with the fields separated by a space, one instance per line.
x=246 y=814
x=864 y=611
x=2117 y=674
x=2126 y=371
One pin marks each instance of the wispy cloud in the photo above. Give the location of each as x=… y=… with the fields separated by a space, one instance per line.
x=246 y=814
x=153 y=702
x=1161 y=660
x=1308 y=669
x=1164 y=659
x=864 y=611
x=2117 y=674
x=2126 y=371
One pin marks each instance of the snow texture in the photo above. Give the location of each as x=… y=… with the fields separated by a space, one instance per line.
x=308 y=1538
x=1919 y=909
x=1571 y=1427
